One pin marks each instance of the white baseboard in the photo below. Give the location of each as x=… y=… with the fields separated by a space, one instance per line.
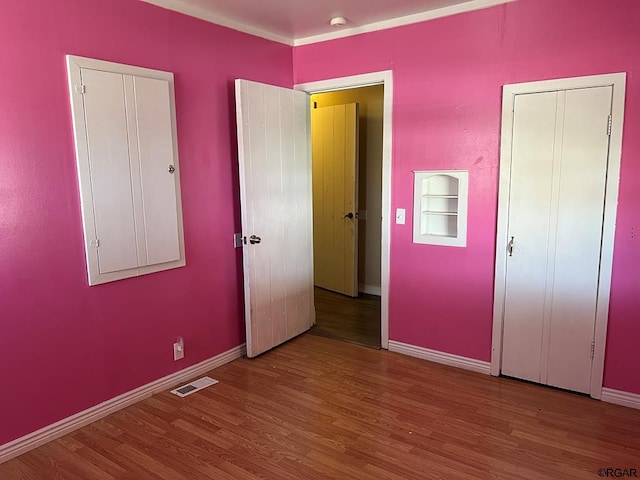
x=619 y=397
x=440 y=357
x=370 y=289
x=90 y=415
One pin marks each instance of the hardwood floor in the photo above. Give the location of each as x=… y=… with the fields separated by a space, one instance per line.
x=355 y=320
x=316 y=408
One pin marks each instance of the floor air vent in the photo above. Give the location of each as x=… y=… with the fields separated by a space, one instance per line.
x=194 y=386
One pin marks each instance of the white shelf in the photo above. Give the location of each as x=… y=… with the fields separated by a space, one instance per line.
x=440 y=207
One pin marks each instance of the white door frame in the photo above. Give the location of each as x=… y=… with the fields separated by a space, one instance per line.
x=384 y=78
x=618 y=81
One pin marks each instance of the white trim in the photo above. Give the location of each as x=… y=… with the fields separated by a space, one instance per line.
x=370 y=289
x=90 y=415
x=400 y=21
x=626 y=399
x=617 y=80
x=193 y=10
x=440 y=357
x=376 y=78
x=76 y=62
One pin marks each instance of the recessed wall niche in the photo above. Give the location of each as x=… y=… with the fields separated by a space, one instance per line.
x=440 y=207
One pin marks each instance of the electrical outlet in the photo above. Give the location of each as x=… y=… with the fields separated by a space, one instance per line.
x=178 y=349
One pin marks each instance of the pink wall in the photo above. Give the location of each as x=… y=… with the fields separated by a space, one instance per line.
x=69 y=346
x=66 y=345
x=448 y=75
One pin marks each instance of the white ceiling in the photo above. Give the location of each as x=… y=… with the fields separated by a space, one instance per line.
x=298 y=22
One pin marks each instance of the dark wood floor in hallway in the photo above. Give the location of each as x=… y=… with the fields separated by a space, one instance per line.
x=317 y=408
x=355 y=320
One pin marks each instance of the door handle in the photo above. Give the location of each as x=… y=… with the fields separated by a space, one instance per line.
x=510 y=247
x=253 y=239
x=348 y=215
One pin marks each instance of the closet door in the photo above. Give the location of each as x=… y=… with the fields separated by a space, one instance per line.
x=558 y=174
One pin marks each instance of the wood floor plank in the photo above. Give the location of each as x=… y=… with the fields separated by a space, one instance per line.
x=350 y=319
x=317 y=408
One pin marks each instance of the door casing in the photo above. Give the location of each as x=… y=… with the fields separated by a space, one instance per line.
x=376 y=78
x=618 y=81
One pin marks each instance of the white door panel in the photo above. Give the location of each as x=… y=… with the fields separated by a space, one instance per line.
x=273 y=228
x=275 y=184
x=156 y=149
x=578 y=241
x=106 y=124
x=297 y=217
x=530 y=204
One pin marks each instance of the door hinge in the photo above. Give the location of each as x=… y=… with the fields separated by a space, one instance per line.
x=237 y=240
x=94 y=243
x=593 y=348
x=609 y=122
x=81 y=89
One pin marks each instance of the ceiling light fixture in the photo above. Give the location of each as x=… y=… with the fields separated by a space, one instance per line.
x=338 y=22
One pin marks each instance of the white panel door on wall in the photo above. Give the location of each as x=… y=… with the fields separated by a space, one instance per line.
x=556 y=204
x=335 y=194
x=275 y=189
x=127 y=157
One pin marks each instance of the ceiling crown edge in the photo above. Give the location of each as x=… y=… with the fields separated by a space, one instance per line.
x=206 y=15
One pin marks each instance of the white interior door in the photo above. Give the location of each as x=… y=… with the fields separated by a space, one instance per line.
x=335 y=197
x=275 y=188
x=555 y=221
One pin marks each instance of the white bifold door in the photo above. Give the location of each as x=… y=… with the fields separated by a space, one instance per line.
x=556 y=201
x=275 y=188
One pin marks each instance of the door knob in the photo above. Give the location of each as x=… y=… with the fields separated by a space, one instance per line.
x=348 y=215
x=510 y=247
x=253 y=239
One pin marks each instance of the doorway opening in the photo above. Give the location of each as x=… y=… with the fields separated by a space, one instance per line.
x=347 y=156
x=362 y=317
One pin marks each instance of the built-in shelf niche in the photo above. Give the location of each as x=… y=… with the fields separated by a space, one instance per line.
x=440 y=207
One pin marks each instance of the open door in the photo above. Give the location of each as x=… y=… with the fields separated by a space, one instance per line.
x=275 y=194
x=335 y=197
